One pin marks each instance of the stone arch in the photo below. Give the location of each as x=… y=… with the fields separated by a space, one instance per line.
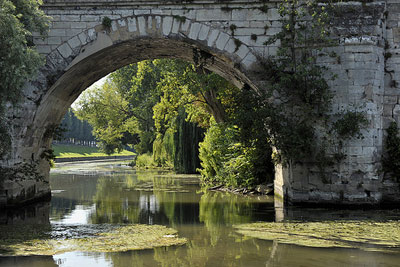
x=86 y=57
x=95 y=52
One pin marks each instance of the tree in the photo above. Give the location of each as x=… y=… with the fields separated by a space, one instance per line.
x=19 y=61
x=107 y=112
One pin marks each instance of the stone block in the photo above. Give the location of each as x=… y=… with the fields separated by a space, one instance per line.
x=124 y=12
x=231 y=46
x=78 y=25
x=57 y=33
x=167 y=25
x=132 y=25
x=91 y=34
x=359 y=49
x=83 y=38
x=121 y=23
x=150 y=24
x=60 y=25
x=65 y=50
x=390 y=99
x=157 y=12
x=139 y=12
x=204 y=30
x=249 y=31
x=185 y=25
x=90 y=18
x=194 y=31
x=212 y=37
x=54 y=40
x=175 y=26
x=74 y=42
x=67 y=18
x=114 y=26
x=71 y=32
x=222 y=40
x=142 y=25
x=242 y=51
x=396 y=35
x=212 y=14
x=249 y=60
x=158 y=22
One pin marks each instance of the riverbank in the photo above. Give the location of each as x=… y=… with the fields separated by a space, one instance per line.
x=72 y=153
x=76 y=159
x=258 y=190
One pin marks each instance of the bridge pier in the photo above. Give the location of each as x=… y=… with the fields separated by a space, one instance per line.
x=79 y=50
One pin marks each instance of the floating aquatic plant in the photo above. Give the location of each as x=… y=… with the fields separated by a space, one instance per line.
x=37 y=240
x=365 y=235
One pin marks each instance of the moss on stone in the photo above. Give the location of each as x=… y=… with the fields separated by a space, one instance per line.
x=365 y=235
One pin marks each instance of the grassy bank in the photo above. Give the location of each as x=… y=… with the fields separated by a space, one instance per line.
x=72 y=151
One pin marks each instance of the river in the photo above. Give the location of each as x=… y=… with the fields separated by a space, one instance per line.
x=103 y=193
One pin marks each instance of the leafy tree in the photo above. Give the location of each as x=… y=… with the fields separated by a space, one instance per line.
x=106 y=110
x=19 y=61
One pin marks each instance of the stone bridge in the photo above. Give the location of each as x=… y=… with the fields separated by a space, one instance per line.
x=79 y=50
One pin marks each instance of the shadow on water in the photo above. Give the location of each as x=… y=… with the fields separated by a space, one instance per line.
x=123 y=196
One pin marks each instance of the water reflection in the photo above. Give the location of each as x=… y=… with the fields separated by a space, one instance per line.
x=205 y=219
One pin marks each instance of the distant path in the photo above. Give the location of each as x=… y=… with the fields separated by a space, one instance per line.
x=73 y=159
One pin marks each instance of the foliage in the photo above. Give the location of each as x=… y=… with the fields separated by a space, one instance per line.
x=225 y=160
x=350 y=124
x=5 y=140
x=164 y=149
x=391 y=162
x=106 y=111
x=186 y=143
x=144 y=161
x=295 y=104
x=19 y=61
x=106 y=22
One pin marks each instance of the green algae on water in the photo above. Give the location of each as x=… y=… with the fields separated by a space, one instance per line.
x=365 y=235
x=36 y=241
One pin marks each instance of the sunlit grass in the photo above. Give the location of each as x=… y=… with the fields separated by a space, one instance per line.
x=37 y=240
x=366 y=235
x=72 y=151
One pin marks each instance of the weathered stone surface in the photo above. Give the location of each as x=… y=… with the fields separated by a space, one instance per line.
x=80 y=50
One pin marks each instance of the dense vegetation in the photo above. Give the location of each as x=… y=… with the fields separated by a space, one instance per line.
x=163 y=108
x=19 y=61
x=145 y=105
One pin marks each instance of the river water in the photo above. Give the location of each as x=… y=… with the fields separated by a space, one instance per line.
x=93 y=194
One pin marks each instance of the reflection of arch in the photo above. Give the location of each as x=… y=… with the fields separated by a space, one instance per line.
x=92 y=54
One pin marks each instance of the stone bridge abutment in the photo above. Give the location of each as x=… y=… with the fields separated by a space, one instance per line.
x=80 y=50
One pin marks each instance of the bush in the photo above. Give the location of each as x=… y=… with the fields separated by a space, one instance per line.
x=144 y=161
x=391 y=162
x=225 y=160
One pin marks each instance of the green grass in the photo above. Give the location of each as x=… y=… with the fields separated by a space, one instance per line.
x=71 y=151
